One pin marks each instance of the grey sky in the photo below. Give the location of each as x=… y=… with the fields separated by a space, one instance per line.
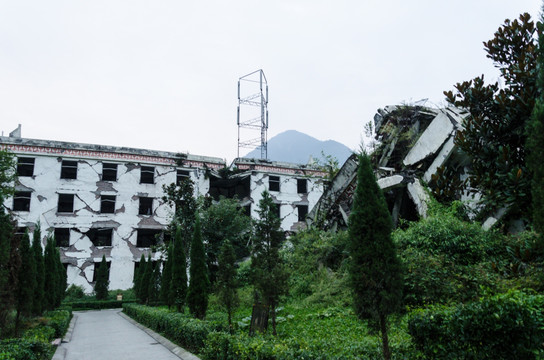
x=163 y=74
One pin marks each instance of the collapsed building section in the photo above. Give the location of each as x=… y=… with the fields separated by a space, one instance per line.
x=416 y=146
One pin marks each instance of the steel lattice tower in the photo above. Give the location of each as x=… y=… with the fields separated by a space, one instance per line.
x=253 y=112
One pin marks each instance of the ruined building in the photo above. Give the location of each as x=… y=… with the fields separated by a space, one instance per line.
x=103 y=200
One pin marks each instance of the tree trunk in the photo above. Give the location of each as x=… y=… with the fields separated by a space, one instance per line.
x=385 y=339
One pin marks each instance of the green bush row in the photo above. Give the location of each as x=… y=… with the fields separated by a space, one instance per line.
x=505 y=326
x=96 y=305
x=35 y=343
x=180 y=328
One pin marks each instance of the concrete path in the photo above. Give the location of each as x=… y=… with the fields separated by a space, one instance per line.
x=109 y=334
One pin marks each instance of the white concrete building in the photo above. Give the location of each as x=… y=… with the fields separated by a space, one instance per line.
x=103 y=200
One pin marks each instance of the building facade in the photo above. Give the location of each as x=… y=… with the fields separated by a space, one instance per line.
x=107 y=201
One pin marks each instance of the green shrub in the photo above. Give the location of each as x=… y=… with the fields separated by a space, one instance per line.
x=74 y=293
x=179 y=328
x=505 y=326
x=58 y=320
x=96 y=304
x=40 y=333
x=24 y=349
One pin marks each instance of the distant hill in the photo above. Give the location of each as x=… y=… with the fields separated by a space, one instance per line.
x=296 y=147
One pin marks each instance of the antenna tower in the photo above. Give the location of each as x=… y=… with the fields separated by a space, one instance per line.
x=253 y=112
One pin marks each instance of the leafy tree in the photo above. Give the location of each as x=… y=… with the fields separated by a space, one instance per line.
x=147 y=274
x=494 y=134
x=224 y=220
x=181 y=197
x=167 y=277
x=51 y=279
x=26 y=281
x=37 y=250
x=375 y=270
x=197 y=293
x=7 y=174
x=269 y=272
x=138 y=277
x=178 y=286
x=227 y=283
x=102 y=280
x=535 y=143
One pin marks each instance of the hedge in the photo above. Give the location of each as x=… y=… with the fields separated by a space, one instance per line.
x=96 y=305
x=504 y=326
x=180 y=328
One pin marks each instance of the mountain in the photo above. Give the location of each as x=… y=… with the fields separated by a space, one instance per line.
x=296 y=147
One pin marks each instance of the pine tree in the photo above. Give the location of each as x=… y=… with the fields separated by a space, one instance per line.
x=154 y=283
x=269 y=276
x=375 y=270
x=197 y=293
x=138 y=277
x=535 y=145
x=227 y=284
x=146 y=279
x=166 y=279
x=61 y=279
x=178 y=286
x=102 y=280
x=37 y=250
x=26 y=281
x=51 y=275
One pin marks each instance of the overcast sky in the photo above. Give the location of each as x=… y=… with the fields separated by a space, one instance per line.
x=163 y=74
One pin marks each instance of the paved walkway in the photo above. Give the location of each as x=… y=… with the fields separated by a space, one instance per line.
x=109 y=334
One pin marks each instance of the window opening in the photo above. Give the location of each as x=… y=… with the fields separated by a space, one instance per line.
x=100 y=236
x=107 y=204
x=62 y=237
x=68 y=169
x=25 y=166
x=21 y=201
x=146 y=206
x=182 y=175
x=147 y=237
x=109 y=172
x=97 y=266
x=274 y=183
x=66 y=203
x=302 y=212
x=302 y=186
x=147 y=175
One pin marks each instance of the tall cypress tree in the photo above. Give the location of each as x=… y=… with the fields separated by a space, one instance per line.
x=166 y=279
x=146 y=279
x=138 y=277
x=227 y=284
x=102 y=280
x=375 y=270
x=37 y=250
x=153 y=294
x=51 y=275
x=26 y=281
x=178 y=286
x=269 y=273
x=61 y=279
x=197 y=293
x=535 y=145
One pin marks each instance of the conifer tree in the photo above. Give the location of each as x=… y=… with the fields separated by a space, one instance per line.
x=138 y=277
x=375 y=270
x=51 y=275
x=535 y=145
x=227 y=284
x=197 y=293
x=26 y=281
x=178 y=286
x=61 y=279
x=154 y=283
x=146 y=279
x=37 y=250
x=269 y=273
x=102 y=280
x=166 y=279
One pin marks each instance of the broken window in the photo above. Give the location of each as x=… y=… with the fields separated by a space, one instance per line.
x=109 y=172
x=107 y=204
x=147 y=237
x=66 y=203
x=182 y=175
x=277 y=210
x=302 y=212
x=97 y=266
x=68 y=169
x=274 y=183
x=247 y=210
x=302 y=186
x=146 y=206
x=147 y=175
x=20 y=232
x=100 y=237
x=62 y=237
x=21 y=201
x=25 y=166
